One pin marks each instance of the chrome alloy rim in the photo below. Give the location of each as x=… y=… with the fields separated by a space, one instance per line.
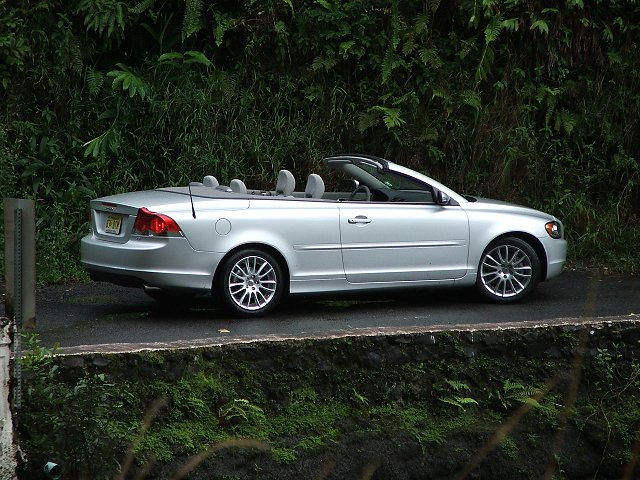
x=252 y=283
x=506 y=271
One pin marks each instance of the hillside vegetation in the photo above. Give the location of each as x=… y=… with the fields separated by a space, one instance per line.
x=511 y=99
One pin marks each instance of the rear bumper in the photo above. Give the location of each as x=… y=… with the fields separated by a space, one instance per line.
x=167 y=263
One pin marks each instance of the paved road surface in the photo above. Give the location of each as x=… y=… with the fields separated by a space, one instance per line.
x=92 y=314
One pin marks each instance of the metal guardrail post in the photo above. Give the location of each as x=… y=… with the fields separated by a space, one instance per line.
x=19 y=229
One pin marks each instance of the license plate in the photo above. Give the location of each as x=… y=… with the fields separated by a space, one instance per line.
x=113 y=225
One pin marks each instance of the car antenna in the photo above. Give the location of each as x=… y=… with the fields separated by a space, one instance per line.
x=193 y=210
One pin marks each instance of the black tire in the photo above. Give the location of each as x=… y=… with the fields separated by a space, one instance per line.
x=252 y=283
x=509 y=270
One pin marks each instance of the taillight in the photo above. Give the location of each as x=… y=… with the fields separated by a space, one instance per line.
x=155 y=224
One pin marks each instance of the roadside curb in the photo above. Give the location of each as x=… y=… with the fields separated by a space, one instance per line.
x=572 y=323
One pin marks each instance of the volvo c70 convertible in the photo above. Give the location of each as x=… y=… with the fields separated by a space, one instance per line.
x=386 y=226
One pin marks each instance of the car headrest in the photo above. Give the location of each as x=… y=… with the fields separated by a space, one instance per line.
x=286 y=183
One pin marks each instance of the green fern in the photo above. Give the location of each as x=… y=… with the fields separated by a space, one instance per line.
x=228 y=85
x=95 y=79
x=389 y=63
x=492 y=31
x=105 y=17
x=472 y=99
x=429 y=56
x=460 y=402
x=367 y=120
x=566 y=121
x=457 y=385
x=326 y=63
x=451 y=389
x=390 y=116
x=142 y=7
x=422 y=22
x=514 y=391
x=224 y=23
x=192 y=18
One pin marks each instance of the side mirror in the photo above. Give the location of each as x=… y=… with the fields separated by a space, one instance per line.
x=442 y=198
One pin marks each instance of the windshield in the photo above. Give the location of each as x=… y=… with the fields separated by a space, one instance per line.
x=392 y=180
x=384 y=184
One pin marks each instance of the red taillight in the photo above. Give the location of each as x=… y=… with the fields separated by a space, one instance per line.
x=151 y=223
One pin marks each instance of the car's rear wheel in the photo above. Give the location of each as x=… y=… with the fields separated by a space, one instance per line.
x=252 y=283
x=509 y=270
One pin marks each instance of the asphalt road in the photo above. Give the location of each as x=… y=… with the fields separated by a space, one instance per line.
x=101 y=316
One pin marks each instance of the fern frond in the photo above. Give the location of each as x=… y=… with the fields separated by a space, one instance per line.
x=191 y=22
x=429 y=56
x=457 y=385
x=95 y=79
x=367 y=120
x=141 y=7
x=471 y=98
x=228 y=85
x=105 y=17
x=459 y=402
x=387 y=65
x=521 y=393
x=492 y=31
x=422 y=22
x=409 y=44
x=390 y=116
x=224 y=24
x=323 y=62
x=566 y=121
x=429 y=134
x=76 y=56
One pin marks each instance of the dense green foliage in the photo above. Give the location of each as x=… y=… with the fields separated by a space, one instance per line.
x=504 y=98
x=155 y=409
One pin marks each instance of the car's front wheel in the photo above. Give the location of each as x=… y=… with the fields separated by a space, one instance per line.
x=252 y=283
x=509 y=270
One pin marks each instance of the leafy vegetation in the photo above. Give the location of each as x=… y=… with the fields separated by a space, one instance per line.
x=156 y=409
x=508 y=99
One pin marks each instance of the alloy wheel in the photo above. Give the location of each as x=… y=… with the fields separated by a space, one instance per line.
x=506 y=271
x=252 y=283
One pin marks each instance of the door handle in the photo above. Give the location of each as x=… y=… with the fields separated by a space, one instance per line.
x=360 y=219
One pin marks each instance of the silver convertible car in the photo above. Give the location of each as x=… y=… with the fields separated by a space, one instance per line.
x=385 y=226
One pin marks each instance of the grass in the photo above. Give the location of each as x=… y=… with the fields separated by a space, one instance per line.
x=212 y=399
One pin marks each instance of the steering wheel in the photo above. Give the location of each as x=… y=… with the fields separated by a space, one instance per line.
x=361 y=189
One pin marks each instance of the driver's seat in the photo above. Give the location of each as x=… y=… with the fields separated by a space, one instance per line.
x=315 y=186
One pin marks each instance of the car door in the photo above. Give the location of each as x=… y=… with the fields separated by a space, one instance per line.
x=395 y=242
